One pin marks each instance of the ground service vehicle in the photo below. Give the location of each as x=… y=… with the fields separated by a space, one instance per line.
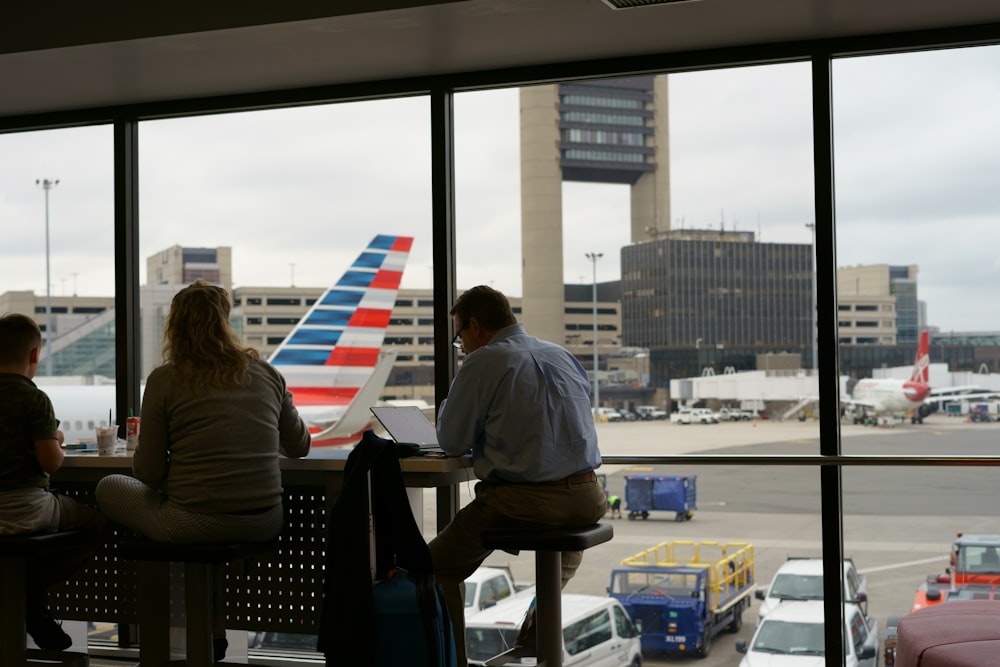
x=801 y=579
x=681 y=594
x=792 y=636
x=597 y=632
x=673 y=493
x=974 y=573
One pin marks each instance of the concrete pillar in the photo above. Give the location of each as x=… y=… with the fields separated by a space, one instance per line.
x=651 y=193
x=541 y=214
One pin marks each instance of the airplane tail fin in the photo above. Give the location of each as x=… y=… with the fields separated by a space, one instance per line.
x=332 y=352
x=921 y=366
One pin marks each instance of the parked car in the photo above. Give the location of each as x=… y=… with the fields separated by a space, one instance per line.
x=793 y=636
x=650 y=412
x=486 y=587
x=607 y=415
x=734 y=414
x=597 y=632
x=801 y=579
x=703 y=416
x=682 y=416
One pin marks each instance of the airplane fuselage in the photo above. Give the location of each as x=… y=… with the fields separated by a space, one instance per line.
x=889 y=395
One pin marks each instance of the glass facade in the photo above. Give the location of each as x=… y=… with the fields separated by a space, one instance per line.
x=719 y=292
x=606 y=130
x=795 y=481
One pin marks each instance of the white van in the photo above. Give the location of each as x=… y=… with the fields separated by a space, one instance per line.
x=597 y=632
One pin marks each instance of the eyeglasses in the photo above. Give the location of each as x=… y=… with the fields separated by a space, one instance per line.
x=456 y=342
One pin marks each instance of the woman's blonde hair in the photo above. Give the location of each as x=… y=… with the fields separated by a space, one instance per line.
x=199 y=341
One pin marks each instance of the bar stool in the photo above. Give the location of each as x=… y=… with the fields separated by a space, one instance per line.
x=153 y=591
x=547 y=545
x=15 y=553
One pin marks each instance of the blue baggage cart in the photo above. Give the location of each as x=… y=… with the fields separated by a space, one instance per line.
x=671 y=493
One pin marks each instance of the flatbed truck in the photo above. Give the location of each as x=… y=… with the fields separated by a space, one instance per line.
x=680 y=594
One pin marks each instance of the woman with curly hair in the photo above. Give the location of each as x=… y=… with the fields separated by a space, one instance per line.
x=215 y=418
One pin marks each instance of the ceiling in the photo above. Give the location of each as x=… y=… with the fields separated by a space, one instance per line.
x=67 y=54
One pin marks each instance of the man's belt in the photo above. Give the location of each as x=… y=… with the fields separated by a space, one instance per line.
x=572 y=480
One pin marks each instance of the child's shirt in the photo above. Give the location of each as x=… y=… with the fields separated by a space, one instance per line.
x=26 y=415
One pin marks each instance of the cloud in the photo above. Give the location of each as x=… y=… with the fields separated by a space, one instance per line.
x=917 y=163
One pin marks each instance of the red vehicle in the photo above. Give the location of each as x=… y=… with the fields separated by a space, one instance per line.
x=974 y=573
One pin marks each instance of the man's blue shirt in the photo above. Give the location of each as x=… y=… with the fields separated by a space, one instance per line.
x=522 y=405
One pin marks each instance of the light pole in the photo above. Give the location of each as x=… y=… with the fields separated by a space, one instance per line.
x=812 y=319
x=593 y=257
x=46 y=185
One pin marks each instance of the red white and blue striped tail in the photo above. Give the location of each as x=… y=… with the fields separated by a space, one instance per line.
x=333 y=351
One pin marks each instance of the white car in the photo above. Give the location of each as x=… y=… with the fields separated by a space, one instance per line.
x=703 y=416
x=606 y=415
x=792 y=636
x=486 y=587
x=597 y=632
x=650 y=412
x=800 y=579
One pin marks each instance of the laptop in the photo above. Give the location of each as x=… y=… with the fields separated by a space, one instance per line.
x=408 y=425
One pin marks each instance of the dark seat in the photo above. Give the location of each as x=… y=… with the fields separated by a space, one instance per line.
x=547 y=545
x=15 y=553
x=153 y=591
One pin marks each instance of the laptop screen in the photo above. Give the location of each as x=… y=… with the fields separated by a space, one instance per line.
x=407 y=424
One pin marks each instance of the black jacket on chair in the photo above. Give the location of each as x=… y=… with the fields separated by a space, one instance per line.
x=346 y=625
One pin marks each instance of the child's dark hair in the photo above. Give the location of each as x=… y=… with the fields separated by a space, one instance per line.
x=19 y=335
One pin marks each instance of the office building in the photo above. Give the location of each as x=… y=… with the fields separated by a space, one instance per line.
x=700 y=298
x=877 y=305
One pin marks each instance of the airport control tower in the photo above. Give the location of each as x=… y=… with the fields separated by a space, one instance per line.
x=604 y=131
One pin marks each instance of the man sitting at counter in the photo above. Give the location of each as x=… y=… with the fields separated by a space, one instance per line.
x=522 y=406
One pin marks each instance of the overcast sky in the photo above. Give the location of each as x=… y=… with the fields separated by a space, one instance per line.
x=297 y=193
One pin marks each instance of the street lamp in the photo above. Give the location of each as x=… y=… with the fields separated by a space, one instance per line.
x=593 y=257
x=46 y=184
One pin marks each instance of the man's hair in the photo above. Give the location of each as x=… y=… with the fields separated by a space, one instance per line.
x=487 y=305
x=19 y=335
x=199 y=341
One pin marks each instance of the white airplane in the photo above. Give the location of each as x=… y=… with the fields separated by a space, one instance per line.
x=332 y=360
x=889 y=396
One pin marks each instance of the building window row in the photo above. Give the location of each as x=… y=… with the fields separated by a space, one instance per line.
x=604 y=156
x=594 y=118
x=604 y=137
x=606 y=102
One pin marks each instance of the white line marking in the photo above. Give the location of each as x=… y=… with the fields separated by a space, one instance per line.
x=896 y=566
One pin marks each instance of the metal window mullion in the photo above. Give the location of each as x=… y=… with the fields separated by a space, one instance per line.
x=831 y=477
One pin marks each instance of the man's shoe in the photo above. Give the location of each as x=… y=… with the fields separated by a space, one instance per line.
x=45 y=630
x=219 y=646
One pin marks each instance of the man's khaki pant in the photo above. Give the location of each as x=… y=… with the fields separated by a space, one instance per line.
x=457 y=551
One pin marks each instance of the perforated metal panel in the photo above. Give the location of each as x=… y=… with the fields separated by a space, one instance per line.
x=280 y=591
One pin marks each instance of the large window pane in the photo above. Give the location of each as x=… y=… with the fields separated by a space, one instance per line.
x=916 y=165
x=57 y=258
x=276 y=205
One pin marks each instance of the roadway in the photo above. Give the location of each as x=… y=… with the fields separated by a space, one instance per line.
x=898 y=521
